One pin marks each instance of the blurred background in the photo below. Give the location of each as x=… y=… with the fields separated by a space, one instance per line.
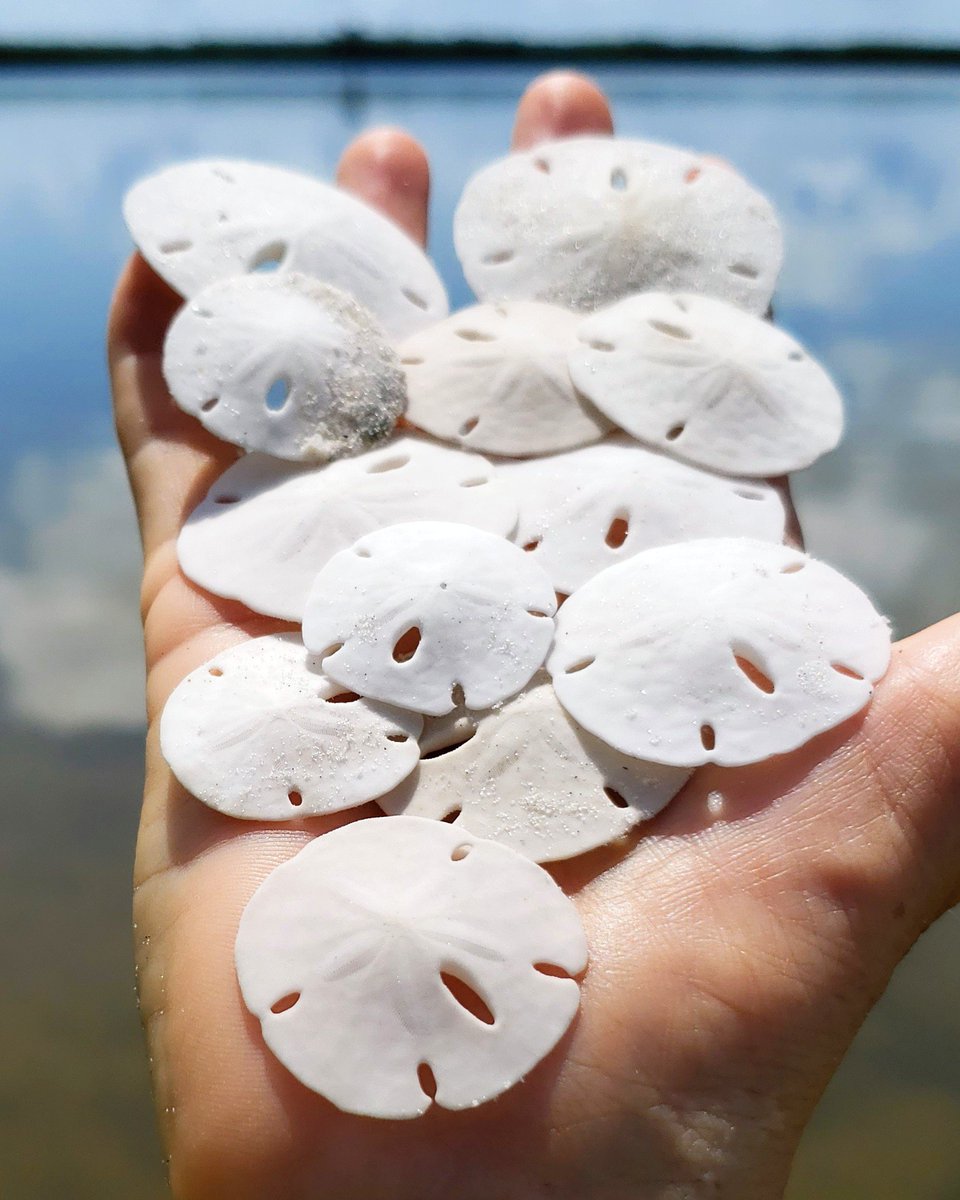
x=846 y=112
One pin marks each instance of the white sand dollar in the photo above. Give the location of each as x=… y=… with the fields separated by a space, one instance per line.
x=353 y=954
x=585 y=221
x=591 y=508
x=531 y=779
x=260 y=733
x=198 y=222
x=417 y=614
x=709 y=382
x=495 y=378
x=266 y=527
x=726 y=650
x=286 y=365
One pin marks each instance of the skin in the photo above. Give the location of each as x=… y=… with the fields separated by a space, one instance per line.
x=736 y=946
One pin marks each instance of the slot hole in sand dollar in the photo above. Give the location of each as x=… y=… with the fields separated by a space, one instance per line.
x=388 y=464
x=415 y=299
x=760 y=680
x=843 y=669
x=580 y=665
x=407 y=645
x=618 y=531
x=278 y=395
x=467 y=997
x=269 y=257
x=427 y=1080
x=496 y=257
x=671 y=330
x=285 y=1003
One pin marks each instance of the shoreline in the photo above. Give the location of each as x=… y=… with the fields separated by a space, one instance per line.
x=354 y=48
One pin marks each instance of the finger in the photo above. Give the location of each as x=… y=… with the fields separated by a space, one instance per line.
x=170 y=457
x=388 y=169
x=560 y=104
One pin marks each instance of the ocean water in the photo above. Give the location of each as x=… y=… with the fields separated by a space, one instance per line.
x=863 y=167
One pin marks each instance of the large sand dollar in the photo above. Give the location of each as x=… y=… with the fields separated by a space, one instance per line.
x=260 y=733
x=726 y=650
x=286 y=365
x=585 y=221
x=431 y=614
x=266 y=527
x=709 y=383
x=198 y=222
x=395 y=955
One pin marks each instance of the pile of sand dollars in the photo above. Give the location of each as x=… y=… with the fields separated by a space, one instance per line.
x=537 y=551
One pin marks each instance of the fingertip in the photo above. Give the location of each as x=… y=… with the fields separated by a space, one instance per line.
x=560 y=104
x=388 y=169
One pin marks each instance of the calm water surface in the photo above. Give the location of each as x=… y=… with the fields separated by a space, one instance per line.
x=864 y=169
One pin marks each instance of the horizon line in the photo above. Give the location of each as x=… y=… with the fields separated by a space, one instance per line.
x=356 y=46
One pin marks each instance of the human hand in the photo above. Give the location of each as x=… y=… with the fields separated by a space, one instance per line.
x=736 y=944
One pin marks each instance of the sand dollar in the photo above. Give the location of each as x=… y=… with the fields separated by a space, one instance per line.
x=588 y=220
x=429 y=614
x=726 y=650
x=198 y=222
x=709 y=383
x=260 y=733
x=389 y=969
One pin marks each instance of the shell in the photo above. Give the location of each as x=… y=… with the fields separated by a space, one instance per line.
x=495 y=378
x=260 y=733
x=417 y=614
x=198 y=222
x=590 y=509
x=531 y=779
x=266 y=528
x=389 y=944
x=709 y=383
x=586 y=221
x=725 y=650
x=286 y=365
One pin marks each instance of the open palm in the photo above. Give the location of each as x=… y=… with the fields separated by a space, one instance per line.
x=737 y=944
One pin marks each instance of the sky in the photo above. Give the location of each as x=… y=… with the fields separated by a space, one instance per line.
x=754 y=22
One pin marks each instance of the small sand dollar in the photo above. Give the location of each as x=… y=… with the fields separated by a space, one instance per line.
x=709 y=383
x=396 y=962
x=266 y=528
x=199 y=222
x=726 y=650
x=591 y=508
x=585 y=221
x=260 y=733
x=286 y=365
x=530 y=778
x=430 y=614
x=495 y=378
